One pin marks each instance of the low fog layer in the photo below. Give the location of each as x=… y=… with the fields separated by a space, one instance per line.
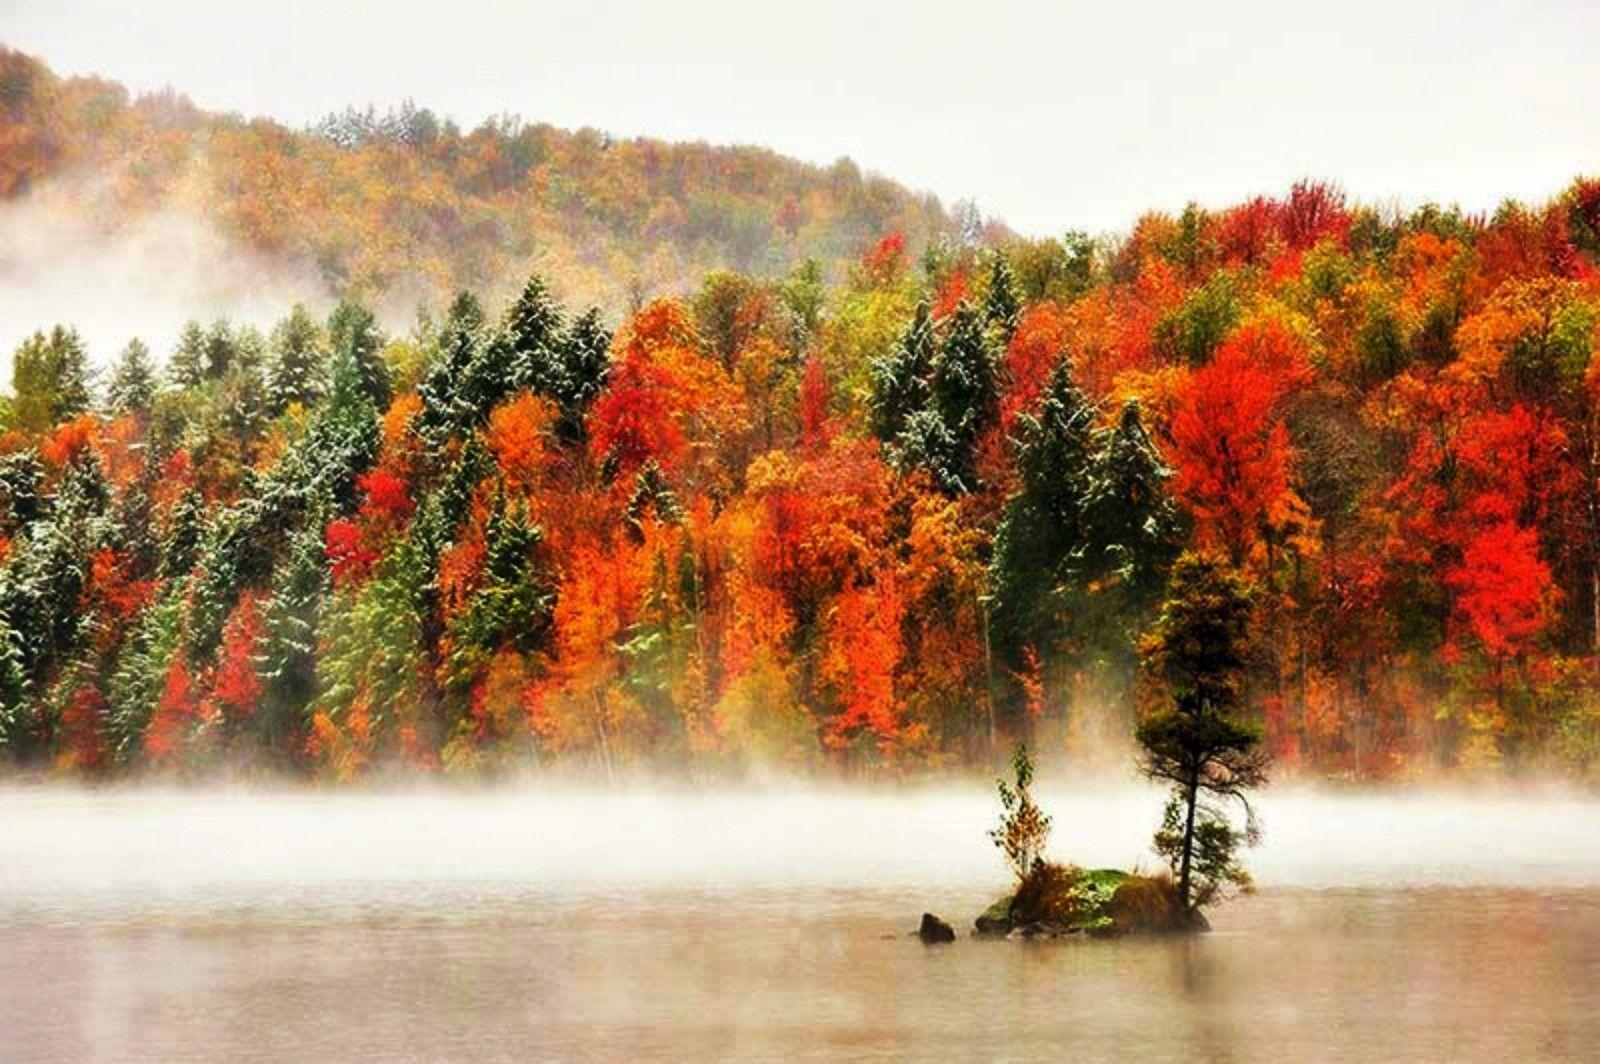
x=77 y=854
x=116 y=278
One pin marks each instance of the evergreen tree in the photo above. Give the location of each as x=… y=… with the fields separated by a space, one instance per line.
x=1001 y=306
x=1039 y=564
x=1132 y=530
x=900 y=378
x=966 y=387
x=343 y=439
x=181 y=544
x=187 y=366
x=21 y=475
x=135 y=687
x=244 y=390
x=586 y=352
x=353 y=334
x=298 y=369
x=49 y=380
x=1196 y=655
x=287 y=659
x=219 y=350
x=133 y=381
x=512 y=607
x=445 y=406
x=534 y=350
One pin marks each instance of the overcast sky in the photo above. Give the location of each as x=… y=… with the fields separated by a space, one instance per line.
x=1052 y=115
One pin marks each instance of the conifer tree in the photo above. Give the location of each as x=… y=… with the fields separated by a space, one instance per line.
x=133 y=381
x=49 y=380
x=353 y=335
x=1001 y=305
x=1196 y=656
x=900 y=378
x=187 y=366
x=1039 y=562
x=298 y=370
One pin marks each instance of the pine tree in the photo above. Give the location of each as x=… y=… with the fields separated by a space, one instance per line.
x=298 y=370
x=966 y=388
x=900 y=378
x=353 y=334
x=1039 y=565
x=219 y=350
x=49 y=380
x=133 y=381
x=1196 y=654
x=187 y=366
x=287 y=658
x=534 y=342
x=586 y=352
x=1001 y=306
x=445 y=407
x=1132 y=525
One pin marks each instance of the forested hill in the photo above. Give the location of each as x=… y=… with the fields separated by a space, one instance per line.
x=885 y=521
x=406 y=205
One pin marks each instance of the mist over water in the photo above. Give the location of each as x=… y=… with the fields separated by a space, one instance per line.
x=663 y=923
x=73 y=854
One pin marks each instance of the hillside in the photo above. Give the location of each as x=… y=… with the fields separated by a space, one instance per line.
x=885 y=522
x=404 y=206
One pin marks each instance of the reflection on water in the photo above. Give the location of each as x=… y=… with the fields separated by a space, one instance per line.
x=516 y=926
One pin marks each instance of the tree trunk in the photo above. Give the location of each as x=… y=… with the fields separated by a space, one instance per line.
x=1192 y=793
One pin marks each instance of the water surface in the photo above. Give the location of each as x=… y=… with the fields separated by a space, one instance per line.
x=528 y=924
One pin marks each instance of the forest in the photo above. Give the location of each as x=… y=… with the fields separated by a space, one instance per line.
x=891 y=495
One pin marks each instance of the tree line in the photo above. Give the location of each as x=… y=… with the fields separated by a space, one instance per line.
x=890 y=523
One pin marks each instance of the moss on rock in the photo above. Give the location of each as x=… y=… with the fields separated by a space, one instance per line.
x=1057 y=900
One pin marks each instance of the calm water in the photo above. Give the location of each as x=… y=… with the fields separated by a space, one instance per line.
x=171 y=926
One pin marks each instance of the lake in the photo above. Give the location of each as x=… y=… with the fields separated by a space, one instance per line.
x=771 y=924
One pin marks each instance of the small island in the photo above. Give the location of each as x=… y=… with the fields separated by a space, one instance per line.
x=1194 y=662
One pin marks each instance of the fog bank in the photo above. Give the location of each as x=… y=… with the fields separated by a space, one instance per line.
x=75 y=854
x=115 y=277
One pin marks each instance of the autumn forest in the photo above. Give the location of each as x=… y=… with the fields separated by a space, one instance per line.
x=700 y=457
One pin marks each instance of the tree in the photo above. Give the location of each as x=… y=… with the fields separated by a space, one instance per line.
x=353 y=336
x=298 y=369
x=900 y=379
x=133 y=381
x=966 y=387
x=49 y=380
x=446 y=407
x=535 y=343
x=186 y=368
x=1041 y=545
x=1195 y=656
x=1024 y=827
x=1001 y=306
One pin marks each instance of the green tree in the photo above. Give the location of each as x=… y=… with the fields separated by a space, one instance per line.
x=353 y=335
x=133 y=381
x=900 y=378
x=446 y=402
x=1001 y=306
x=49 y=380
x=187 y=368
x=1195 y=654
x=287 y=655
x=298 y=369
x=1132 y=532
x=1041 y=544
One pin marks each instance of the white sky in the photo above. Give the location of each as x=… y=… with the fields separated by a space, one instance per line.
x=1051 y=115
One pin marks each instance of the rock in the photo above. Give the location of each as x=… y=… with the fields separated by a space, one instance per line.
x=996 y=920
x=934 y=930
